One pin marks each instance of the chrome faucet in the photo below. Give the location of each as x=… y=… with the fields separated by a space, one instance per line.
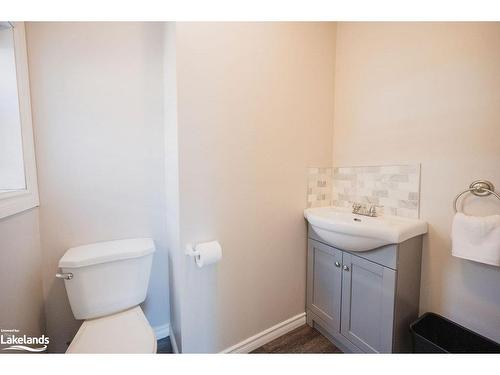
x=363 y=209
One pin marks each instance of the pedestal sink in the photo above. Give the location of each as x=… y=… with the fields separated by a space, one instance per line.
x=347 y=231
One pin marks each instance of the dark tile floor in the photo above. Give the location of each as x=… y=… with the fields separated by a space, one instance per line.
x=163 y=346
x=304 y=339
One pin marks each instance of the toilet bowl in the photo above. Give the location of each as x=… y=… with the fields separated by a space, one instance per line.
x=105 y=283
x=123 y=332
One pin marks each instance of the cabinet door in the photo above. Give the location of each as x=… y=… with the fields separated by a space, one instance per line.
x=324 y=283
x=368 y=291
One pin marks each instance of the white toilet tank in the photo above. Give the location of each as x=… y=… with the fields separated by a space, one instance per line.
x=107 y=277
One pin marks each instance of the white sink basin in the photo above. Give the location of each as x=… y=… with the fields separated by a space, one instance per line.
x=347 y=231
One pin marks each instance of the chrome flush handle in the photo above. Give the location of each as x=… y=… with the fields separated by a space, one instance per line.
x=337 y=264
x=346 y=268
x=65 y=276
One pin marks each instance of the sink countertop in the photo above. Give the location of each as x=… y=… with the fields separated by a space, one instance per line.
x=340 y=227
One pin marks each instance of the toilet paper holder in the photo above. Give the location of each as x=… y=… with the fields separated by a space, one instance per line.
x=191 y=250
x=204 y=253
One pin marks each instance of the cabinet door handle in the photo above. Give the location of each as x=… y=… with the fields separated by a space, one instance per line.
x=337 y=264
x=346 y=268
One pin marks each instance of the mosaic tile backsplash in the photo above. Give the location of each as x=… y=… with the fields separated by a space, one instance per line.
x=396 y=188
x=319 y=187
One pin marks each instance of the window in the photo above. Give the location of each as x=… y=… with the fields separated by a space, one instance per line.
x=11 y=147
x=18 y=190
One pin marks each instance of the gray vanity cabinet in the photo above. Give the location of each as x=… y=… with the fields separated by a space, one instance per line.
x=364 y=301
x=324 y=284
x=367 y=304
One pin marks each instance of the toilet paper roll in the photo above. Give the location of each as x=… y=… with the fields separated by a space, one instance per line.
x=207 y=253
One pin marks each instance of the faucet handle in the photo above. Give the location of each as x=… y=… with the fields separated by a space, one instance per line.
x=372 y=211
x=356 y=207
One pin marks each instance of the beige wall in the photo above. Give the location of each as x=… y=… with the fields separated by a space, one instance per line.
x=428 y=93
x=176 y=259
x=98 y=120
x=255 y=109
x=21 y=276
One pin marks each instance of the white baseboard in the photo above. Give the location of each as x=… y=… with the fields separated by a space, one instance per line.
x=162 y=331
x=256 y=341
x=175 y=348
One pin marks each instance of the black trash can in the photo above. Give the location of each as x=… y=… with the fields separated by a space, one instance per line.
x=433 y=333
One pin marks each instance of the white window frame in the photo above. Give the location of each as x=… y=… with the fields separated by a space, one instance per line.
x=20 y=200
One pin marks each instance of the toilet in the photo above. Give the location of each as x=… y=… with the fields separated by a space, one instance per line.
x=105 y=283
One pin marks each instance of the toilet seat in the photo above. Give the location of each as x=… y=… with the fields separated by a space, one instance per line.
x=125 y=332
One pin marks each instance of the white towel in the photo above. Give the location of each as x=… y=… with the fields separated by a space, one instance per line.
x=476 y=238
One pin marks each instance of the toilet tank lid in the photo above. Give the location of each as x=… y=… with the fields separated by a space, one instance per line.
x=103 y=252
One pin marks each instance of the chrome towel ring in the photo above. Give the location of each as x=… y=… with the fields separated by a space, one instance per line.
x=480 y=188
